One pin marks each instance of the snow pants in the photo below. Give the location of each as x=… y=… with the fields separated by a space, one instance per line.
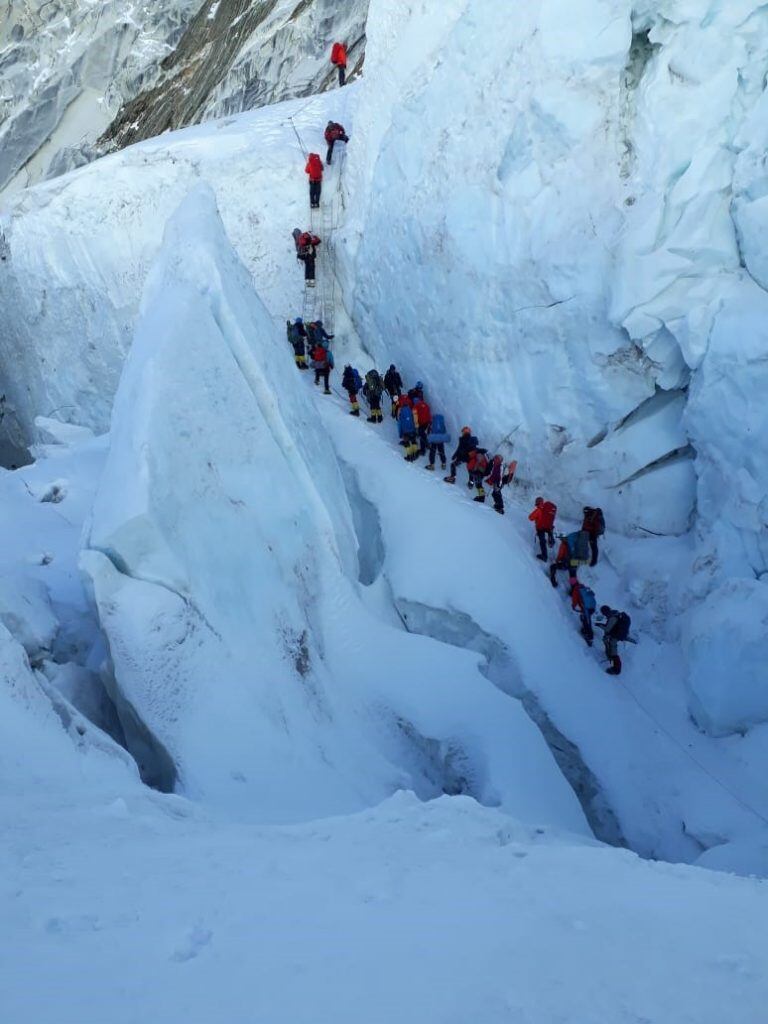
x=586 y=627
x=342 y=74
x=323 y=373
x=423 y=444
x=476 y=479
x=353 y=401
x=498 y=500
x=543 y=536
x=438 y=448
x=315 y=188
x=593 y=548
x=309 y=268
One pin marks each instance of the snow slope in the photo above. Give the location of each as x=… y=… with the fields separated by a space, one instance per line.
x=444 y=912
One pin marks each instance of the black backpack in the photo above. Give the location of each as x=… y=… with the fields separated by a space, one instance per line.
x=621 y=630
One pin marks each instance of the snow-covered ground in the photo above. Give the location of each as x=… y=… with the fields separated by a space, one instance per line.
x=380 y=747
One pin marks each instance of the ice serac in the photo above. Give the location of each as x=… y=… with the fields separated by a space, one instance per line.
x=562 y=233
x=222 y=557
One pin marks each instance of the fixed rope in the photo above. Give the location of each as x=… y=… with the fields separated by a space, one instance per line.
x=694 y=760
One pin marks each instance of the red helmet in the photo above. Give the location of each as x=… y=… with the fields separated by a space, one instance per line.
x=539 y=501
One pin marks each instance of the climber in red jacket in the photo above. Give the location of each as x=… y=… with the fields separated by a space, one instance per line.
x=306 y=251
x=543 y=519
x=339 y=58
x=334 y=132
x=314 y=169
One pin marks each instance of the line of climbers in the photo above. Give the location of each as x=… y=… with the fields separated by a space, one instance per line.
x=423 y=432
x=577 y=549
x=306 y=242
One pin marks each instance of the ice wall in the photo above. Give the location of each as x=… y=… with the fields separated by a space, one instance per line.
x=223 y=562
x=556 y=220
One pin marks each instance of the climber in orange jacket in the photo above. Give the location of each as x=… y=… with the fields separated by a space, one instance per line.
x=339 y=58
x=314 y=169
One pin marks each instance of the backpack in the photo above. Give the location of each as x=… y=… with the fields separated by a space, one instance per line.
x=438 y=434
x=405 y=421
x=621 y=630
x=373 y=380
x=549 y=508
x=588 y=600
x=358 y=382
x=480 y=463
x=578 y=547
x=594 y=521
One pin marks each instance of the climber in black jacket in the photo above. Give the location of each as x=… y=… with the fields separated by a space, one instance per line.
x=467 y=443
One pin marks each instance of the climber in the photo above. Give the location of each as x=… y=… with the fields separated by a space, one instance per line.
x=615 y=629
x=306 y=251
x=573 y=552
x=393 y=384
x=477 y=466
x=352 y=384
x=594 y=524
x=320 y=334
x=543 y=519
x=496 y=479
x=322 y=364
x=402 y=401
x=583 y=601
x=314 y=169
x=334 y=132
x=372 y=389
x=416 y=393
x=339 y=58
x=422 y=416
x=467 y=443
x=407 y=430
x=297 y=337
x=438 y=438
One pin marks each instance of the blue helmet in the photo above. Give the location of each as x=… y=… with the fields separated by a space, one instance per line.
x=419 y=386
x=298 y=320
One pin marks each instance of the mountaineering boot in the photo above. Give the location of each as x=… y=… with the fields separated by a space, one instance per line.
x=370 y=419
x=450 y=479
x=354 y=412
x=552 y=579
x=327 y=391
x=499 y=510
x=480 y=498
x=310 y=284
x=541 y=558
x=615 y=669
x=430 y=468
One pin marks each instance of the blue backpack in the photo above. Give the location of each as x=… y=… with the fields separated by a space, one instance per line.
x=405 y=423
x=578 y=547
x=588 y=601
x=358 y=381
x=438 y=434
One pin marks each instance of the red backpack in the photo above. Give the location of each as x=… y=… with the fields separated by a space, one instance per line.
x=314 y=167
x=338 y=54
x=549 y=511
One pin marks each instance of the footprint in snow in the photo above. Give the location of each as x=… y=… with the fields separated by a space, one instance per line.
x=196 y=940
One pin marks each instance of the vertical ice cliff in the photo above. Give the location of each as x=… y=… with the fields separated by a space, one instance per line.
x=559 y=224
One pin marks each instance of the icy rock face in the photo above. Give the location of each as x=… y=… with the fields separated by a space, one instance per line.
x=237 y=55
x=65 y=69
x=222 y=557
x=562 y=228
x=77 y=79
